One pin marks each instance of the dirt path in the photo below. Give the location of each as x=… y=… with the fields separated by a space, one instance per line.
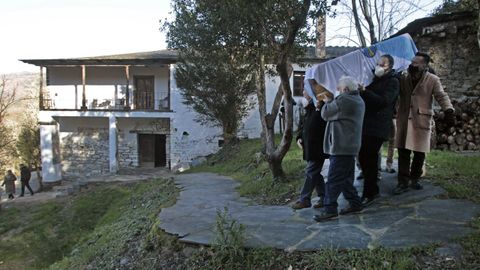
x=74 y=185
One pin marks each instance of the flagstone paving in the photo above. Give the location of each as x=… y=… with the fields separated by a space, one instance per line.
x=412 y=218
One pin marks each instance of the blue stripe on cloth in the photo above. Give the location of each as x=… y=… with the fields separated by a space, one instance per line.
x=360 y=63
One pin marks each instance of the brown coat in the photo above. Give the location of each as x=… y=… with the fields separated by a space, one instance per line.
x=9 y=183
x=415 y=111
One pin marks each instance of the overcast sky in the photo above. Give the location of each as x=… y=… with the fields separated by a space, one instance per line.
x=33 y=29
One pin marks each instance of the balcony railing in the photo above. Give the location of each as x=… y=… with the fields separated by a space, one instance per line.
x=142 y=101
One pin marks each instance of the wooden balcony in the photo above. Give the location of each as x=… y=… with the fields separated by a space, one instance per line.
x=141 y=102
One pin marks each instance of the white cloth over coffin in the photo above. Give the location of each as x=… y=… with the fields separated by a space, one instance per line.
x=360 y=64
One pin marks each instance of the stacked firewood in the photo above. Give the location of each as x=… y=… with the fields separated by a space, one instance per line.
x=465 y=134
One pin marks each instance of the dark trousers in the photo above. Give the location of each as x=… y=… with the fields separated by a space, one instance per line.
x=313 y=180
x=407 y=170
x=26 y=184
x=340 y=180
x=368 y=158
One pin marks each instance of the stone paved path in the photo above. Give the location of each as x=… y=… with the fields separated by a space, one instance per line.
x=413 y=218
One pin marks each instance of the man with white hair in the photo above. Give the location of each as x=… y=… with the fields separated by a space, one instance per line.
x=344 y=116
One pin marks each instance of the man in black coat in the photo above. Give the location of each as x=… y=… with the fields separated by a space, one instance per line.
x=380 y=98
x=310 y=138
x=25 y=176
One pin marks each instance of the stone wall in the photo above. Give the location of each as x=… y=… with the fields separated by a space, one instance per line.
x=128 y=139
x=127 y=151
x=85 y=152
x=452 y=43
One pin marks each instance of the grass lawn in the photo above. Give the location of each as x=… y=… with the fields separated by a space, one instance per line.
x=91 y=230
x=115 y=226
x=458 y=173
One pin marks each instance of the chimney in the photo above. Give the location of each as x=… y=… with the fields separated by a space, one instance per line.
x=321 y=33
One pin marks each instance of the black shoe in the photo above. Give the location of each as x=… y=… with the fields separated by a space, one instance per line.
x=21 y=195
x=324 y=216
x=351 y=209
x=400 y=189
x=367 y=201
x=415 y=185
x=360 y=176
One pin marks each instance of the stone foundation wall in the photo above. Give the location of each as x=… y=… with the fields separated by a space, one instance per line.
x=85 y=152
x=127 y=152
x=455 y=53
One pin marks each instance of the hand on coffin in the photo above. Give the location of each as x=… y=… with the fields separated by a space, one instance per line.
x=306 y=96
x=361 y=87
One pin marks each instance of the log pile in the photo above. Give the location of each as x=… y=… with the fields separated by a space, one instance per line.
x=465 y=134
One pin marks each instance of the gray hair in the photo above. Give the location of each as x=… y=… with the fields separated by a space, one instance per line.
x=348 y=82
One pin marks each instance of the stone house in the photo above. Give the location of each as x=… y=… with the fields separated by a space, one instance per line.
x=451 y=40
x=99 y=115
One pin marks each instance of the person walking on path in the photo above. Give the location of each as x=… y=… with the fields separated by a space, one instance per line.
x=343 y=134
x=9 y=183
x=310 y=139
x=380 y=98
x=418 y=88
x=25 y=176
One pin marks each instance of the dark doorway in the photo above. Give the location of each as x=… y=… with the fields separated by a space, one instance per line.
x=152 y=150
x=144 y=92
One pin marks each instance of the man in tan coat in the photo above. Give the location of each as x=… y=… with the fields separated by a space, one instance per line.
x=418 y=87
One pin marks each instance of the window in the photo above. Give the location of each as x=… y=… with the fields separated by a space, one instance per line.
x=298 y=77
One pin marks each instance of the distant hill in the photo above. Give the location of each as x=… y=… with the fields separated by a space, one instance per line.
x=27 y=87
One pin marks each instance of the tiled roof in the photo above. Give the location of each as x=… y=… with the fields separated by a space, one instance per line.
x=152 y=57
x=418 y=24
x=162 y=57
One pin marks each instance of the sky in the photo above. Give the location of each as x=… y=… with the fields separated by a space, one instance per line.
x=34 y=29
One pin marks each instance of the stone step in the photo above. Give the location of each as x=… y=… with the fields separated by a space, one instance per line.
x=68 y=189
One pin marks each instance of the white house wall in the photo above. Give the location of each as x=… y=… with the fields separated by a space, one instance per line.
x=251 y=125
x=190 y=139
x=51 y=163
x=187 y=139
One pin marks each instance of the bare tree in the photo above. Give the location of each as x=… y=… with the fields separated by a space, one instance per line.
x=375 y=20
x=7 y=100
x=7 y=97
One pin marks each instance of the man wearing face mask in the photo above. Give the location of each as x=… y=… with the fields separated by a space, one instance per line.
x=310 y=138
x=417 y=89
x=380 y=98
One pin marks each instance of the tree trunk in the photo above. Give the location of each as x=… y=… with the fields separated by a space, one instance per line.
x=358 y=26
x=285 y=71
x=229 y=133
x=478 y=29
x=368 y=17
x=274 y=156
x=261 y=97
x=276 y=168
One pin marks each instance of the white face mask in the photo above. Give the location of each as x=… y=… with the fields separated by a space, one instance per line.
x=379 y=71
x=304 y=102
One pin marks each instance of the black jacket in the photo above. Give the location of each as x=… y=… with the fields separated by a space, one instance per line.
x=312 y=131
x=380 y=98
x=25 y=174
